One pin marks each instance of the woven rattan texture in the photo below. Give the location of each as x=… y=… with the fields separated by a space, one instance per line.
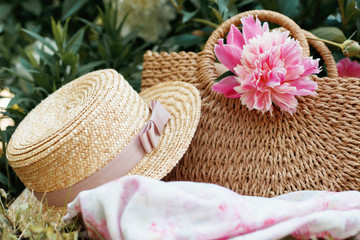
x=159 y=67
x=318 y=148
x=254 y=154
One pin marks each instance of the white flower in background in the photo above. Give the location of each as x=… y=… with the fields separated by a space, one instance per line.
x=150 y=16
x=4 y=101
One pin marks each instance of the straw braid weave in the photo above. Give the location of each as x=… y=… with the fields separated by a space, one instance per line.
x=85 y=124
x=50 y=149
x=318 y=148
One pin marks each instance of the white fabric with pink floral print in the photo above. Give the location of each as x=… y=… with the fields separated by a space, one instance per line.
x=135 y=207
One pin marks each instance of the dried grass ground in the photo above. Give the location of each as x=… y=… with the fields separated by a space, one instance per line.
x=29 y=221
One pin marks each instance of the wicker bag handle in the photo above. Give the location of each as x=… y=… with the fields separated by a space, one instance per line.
x=207 y=70
x=325 y=54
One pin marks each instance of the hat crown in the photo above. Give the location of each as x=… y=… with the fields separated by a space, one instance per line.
x=78 y=128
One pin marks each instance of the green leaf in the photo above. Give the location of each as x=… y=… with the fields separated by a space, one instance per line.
x=90 y=24
x=292 y=8
x=242 y=3
x=75 y=41
x=223 y=8
x=70 y=7
x=206 y=22
x=40 y=38
x=217 y=14
x=351 y=11
x=118 y=31
x=328 y=7
x=57 y=32
x=106 y=20
x=270 y=5
x=64 y=31
x=89 y=67
x=130 y=36
x=47 y=58
x=116 y=48
x=32 y=59
x=102 y=51
x=224 y=75
x=3 y=179
x=74 y=68
x=20 y=99
x=126 y=51
x=25 y=63
x=39 y=90
x=188 y=15
x=196 y=3
x=43 y=80
x=5 y=9
x=32 y=6
x=112 y=11
x=69 y=58
x=18 y=75
x=184 y=40
x=330 y=33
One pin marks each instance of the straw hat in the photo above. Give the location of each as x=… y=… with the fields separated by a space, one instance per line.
x=76 y=132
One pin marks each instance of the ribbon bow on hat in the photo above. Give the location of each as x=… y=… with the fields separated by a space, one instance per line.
x=150 y=133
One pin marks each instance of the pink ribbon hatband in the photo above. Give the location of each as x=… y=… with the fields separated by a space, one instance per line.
x=142 y=143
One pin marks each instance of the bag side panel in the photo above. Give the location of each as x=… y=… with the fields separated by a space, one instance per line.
x=159 y=67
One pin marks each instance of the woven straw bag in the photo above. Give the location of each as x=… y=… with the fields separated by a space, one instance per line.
x=318 y=148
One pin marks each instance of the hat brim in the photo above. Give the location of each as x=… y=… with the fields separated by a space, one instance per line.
x=183 y=102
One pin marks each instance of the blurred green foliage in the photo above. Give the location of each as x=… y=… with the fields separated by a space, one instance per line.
x=46 y=43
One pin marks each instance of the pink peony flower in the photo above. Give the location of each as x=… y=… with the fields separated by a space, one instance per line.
x=268 y=67
x=348 y=68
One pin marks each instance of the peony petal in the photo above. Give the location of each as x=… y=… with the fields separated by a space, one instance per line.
x=269 y=67
x=248 y=83
x=348 y=68
x=311 y=66
x=291 y=52
x=262 y=101
x=252 y=28
x=341 y=66
x=280 y=38
x=286 y=101
x=304 y=86
x=294 y=72
x=275 y=77
x=241 y=71
x=285 y=88
x=226 y=86
x=235 y=37
x=275 y=58
x=248 y=60
x=228 y=55
x=265 y=26
x=248 y=99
